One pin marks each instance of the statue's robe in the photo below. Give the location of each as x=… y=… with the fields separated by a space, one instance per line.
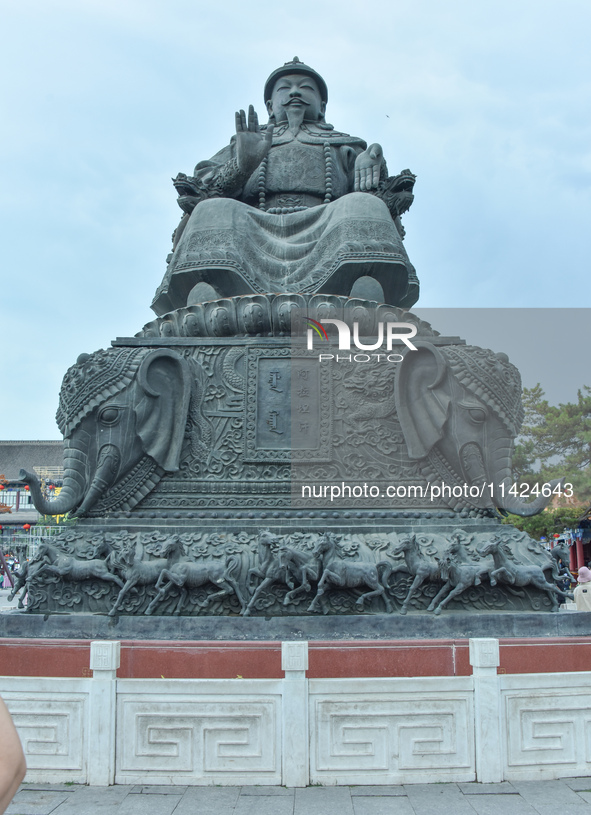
x=237 y=247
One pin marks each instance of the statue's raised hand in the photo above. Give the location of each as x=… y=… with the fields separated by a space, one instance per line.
x=368 y=166
x=251 y=144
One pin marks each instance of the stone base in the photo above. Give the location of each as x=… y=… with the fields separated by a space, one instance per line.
x=329 y=627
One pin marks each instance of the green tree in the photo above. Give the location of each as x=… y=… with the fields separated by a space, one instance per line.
x=547 y=523
x=555 y=442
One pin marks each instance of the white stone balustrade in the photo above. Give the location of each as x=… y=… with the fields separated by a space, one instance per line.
x=295 y=731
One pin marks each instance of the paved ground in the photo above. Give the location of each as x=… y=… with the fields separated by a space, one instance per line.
x=571 y=796
x=5 y=606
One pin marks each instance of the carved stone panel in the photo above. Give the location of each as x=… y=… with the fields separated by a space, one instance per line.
x=369 y=732
x=200 y=739
x=548 y=725
x=287 y=408
x=52 y=726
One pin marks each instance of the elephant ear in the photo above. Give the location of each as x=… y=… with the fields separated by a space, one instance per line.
x=164 y=384
x=422 y=400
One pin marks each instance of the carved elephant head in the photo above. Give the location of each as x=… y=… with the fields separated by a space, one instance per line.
x=122 y=412
x=460 y=410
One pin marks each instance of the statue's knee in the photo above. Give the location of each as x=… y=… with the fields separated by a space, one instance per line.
x=214 y=211
x=365 y=203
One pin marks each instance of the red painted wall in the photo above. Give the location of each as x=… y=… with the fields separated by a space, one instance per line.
x=173 y=660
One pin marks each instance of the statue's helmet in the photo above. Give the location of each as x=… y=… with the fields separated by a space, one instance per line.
x=295 y=67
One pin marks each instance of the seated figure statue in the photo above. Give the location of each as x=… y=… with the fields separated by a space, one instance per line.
x=293 y=206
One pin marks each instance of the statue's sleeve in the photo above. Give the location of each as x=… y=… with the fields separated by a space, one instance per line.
x=220 y=177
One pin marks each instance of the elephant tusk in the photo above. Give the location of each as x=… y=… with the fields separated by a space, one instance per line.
x=474 y=470
x=109 y=461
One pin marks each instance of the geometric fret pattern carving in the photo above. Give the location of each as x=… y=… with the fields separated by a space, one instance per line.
x=549 y=728
x=392 y=737
x=199 y=737
x=361 y=731
x=52 y=729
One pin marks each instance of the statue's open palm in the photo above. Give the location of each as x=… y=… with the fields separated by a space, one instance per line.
x=251 y=144
x=368 y=166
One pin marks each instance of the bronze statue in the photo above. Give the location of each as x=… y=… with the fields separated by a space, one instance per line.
x=291 y=206
x=214 y=418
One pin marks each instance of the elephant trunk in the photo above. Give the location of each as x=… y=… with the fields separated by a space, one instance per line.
x=72 y=490
x=515 y=505
x=504 y=497
x=109 y=460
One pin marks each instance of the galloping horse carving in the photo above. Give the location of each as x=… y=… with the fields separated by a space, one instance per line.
x=72 y=568
x=143 y=572
x=350 y=574
x=517 y=574
x=25 y=576
x=187 y=575
x=304 y=566
x=417 y=565
x=458 y=575
x=269 y=568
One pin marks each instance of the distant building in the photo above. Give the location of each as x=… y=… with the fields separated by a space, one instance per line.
x=42 y=457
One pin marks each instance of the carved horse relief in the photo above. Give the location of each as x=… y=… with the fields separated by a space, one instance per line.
x=339 y=573
x=186 y=575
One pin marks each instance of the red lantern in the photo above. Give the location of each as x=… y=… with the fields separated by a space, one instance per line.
x=2 y=487
x=51 y=487
x=26 y=527
x=27 y=487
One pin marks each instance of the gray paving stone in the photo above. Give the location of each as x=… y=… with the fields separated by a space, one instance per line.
x=267 y=791
x=104 y=807
x=260 y=805
x=148 y=805
x=89 y=800
x=323 y=801
x=208 y=801
x=438 y=799
x=474 y=788
x=433 y=790
x=551 y=793
x=385 y=790
x=84 y=792
x=563 y=797
x=159 y=789
x=386 y=805
x=52 y=787
x=35 y=802
x=579 y=783
x=502 y=805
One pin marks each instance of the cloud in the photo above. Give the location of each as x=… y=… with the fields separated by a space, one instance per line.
x=486 y=102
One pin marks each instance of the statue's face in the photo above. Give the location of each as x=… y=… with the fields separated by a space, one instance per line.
x=296 y=92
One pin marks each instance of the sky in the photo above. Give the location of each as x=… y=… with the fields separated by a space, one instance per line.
x=104 y=101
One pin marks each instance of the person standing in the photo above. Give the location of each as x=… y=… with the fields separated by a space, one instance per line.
x=582 y=592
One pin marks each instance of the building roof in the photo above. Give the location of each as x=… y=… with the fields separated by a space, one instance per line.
x=44 y=457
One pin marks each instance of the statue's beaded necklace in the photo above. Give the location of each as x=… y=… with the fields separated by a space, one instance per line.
x=262 y=185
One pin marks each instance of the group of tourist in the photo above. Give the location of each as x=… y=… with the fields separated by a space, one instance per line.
x=13 y=565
